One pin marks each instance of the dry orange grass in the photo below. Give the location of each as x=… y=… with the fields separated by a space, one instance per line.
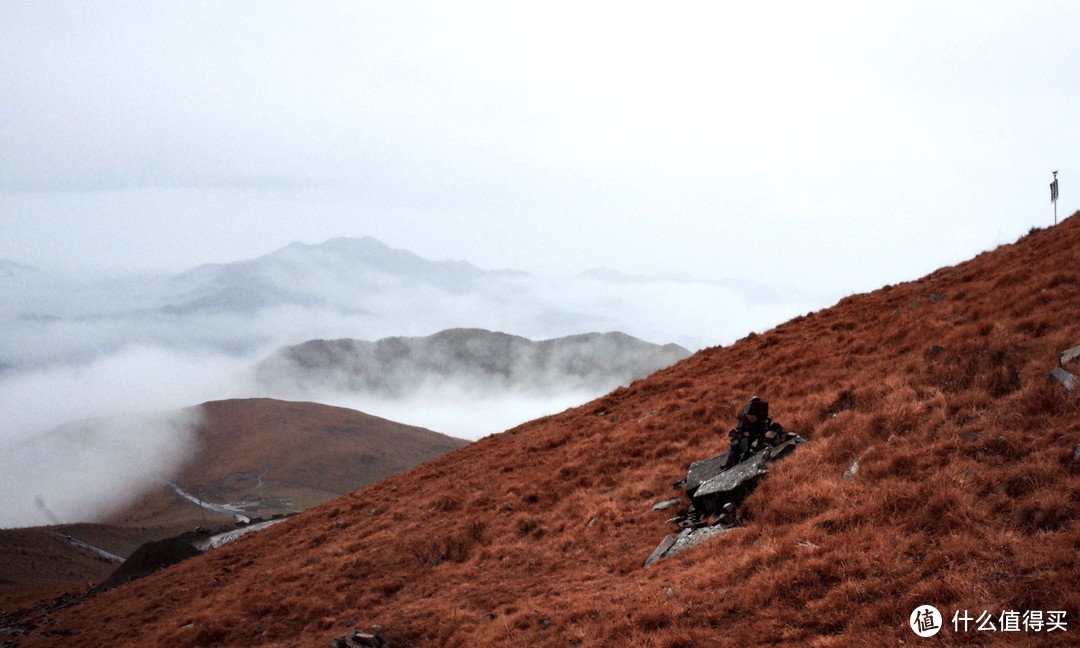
x=966 y=497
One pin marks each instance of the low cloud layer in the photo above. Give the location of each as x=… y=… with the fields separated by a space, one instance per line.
x=85 y=470
x=81 y=356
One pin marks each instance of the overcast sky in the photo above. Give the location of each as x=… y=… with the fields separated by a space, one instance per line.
x=846 y=145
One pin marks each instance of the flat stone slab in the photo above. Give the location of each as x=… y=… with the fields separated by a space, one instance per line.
x=1069 y=355
x=702 y=471
x=731 y=479
x=660 y=506
x=661 y=549
x=695 y=537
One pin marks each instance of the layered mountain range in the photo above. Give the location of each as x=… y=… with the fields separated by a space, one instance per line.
x=361 y=289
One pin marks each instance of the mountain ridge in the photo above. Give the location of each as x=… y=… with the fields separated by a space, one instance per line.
x=474 y=359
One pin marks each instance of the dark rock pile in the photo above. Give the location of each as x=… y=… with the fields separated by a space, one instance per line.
x=718 y=485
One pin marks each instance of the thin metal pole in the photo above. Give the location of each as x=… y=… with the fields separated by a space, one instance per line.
x=1054 y=190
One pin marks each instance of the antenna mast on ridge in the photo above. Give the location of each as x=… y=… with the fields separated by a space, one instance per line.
x=1054 y=195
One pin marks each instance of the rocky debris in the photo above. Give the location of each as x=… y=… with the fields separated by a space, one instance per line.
x=717 y=486
x=1068 y=355
x=666 y=504
x=1066 y=379
x=359 y=639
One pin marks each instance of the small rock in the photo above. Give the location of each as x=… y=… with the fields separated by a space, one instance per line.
x=660 y=550
x=806 y=544
x=1069 y=355
x=358 y=639
x=1066 y=379
x=852 y=470
x=669 y=591
x=1076 y=453
x=936 y=297
x=660 y=506
x=970 y=436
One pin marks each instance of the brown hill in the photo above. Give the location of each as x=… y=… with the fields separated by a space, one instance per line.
x=268 y=456
x=264 y=456
x=966 y=497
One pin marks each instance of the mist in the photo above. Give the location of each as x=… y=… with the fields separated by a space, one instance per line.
x=83 y=471
x=92 y=365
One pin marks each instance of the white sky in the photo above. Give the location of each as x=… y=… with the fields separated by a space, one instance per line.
x=825 y=144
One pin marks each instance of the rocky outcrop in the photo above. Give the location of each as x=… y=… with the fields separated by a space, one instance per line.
x=717 y=486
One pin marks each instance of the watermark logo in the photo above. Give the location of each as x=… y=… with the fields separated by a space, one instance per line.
x=925 y=621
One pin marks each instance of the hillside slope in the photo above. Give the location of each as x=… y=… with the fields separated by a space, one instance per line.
x=263 y=456
x=966 y=497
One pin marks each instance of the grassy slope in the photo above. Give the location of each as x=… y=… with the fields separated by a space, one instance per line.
x=306 y=453
x=966 y=497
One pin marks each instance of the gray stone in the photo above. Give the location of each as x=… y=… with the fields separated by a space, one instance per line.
x=1067 y=380
x=723 y=487
x=702 y=471
x=720 y=486
x=666 y=504
x=1076 y=452
x=852 y=470
x=1069 y=355
x=662 y=548
x=695 y=537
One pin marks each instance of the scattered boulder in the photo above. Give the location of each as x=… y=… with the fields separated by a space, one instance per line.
x=1064 y=378
x=1069 y=355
